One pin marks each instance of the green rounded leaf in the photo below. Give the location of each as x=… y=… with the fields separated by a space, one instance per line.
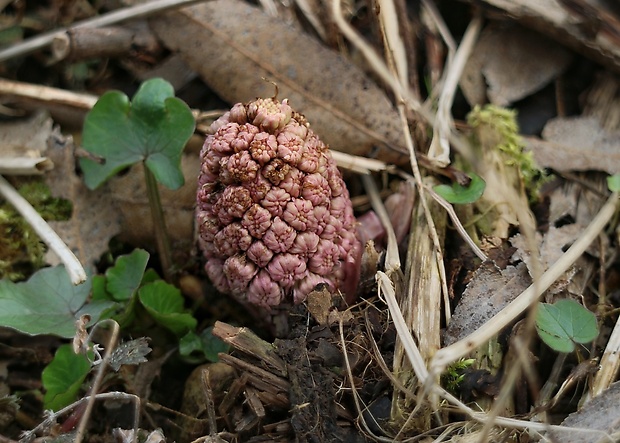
x=196 y=348
x=164 y=303
x=460 y=194
x=613 y=183
x=63 y=377
x=124 y=278
x=153 y=128
x=564 y=323
x=48 y=303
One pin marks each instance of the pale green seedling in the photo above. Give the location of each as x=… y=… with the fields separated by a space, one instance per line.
x=458 y=194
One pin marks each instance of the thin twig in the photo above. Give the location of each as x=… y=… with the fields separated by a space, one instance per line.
x=44 y=231
x=42 y=95
x=132 y=12
x=53 y=416
x=99 y=378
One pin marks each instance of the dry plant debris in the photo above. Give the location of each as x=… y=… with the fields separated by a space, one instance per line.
x=349 y=111
x=440 y=342
x=510 y=63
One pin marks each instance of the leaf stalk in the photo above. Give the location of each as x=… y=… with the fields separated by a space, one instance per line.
x=159 y=224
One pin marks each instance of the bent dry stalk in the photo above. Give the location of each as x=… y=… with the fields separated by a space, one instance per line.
x=274 y=215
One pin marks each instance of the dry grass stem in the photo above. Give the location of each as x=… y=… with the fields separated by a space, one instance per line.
x=538 y=429
x=386 y=290
x=402 y=93
x=432 y=11
x=361 y=165
x=390 y=29
x=25 y=165
x=311 y=16
x=439 y=151
x=388 y=294
x=404 y=312
x=396 y=383
x=374 y=60
x=44 y=231
x=422 y=307
x=610 y=362
x=457 y=224
x=432 y=231
x=392 y=257
x=356 y=399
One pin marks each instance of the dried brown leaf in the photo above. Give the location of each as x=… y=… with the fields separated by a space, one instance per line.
x=489 y=291
x=321 y=307
x=577 y=202
x=238 y=51
x=551 y=247
x=575 y=23
x=129 y=191
x=94 y=220
x=600 y=414
x=577 y=144
x=510 y=63
x=25 y=139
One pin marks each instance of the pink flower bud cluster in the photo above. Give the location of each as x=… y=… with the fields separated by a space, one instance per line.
x=274 y=215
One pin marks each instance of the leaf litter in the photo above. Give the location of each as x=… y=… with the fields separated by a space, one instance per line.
x=361 y=353
x=95 y=218
x=349 y=111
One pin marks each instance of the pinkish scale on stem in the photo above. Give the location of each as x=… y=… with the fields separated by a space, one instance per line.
x=274 y=216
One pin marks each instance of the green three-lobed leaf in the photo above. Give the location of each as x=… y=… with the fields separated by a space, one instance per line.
x=153 y=129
